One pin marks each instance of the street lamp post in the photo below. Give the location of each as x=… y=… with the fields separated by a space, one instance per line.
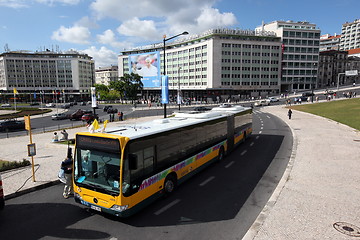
x=312 y=88
x=178 y=91
x=164 y=47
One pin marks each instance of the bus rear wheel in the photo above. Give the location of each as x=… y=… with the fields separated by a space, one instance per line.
x=169 y=184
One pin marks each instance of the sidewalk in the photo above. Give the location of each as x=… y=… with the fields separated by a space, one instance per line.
x=320 y=189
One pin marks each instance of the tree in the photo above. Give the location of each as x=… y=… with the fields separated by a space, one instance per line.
x=128 y=86
x=103 y=90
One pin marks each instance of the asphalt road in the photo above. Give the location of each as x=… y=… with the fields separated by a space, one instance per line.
x=220 y=202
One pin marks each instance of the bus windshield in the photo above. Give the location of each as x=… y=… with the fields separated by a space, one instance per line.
x=97 y=170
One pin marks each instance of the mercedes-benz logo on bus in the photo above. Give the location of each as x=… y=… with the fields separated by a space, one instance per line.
x=95 y=200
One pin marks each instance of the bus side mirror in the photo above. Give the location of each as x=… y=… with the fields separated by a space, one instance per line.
x=132 y=161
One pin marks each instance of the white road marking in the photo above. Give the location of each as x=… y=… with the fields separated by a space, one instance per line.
x=251 y=144
x=257 y=137
x=206 y=181
x=167 y=207
x=229 y=164
x=268 y=116
x=260 y=132
x=243 y=153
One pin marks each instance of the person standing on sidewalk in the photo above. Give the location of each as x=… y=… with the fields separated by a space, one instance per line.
x=66 y=165
x=289 y=113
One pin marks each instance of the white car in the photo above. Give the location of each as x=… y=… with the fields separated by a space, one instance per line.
x=264 y=102
x=6 y=105
x=273 y=99
x=50 y=105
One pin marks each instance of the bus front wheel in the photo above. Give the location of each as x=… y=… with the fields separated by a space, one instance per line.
x=169 y=184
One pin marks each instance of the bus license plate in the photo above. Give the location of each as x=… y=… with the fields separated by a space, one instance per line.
x=95 y=208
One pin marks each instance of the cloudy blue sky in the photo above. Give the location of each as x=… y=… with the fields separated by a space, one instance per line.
x=102 y=28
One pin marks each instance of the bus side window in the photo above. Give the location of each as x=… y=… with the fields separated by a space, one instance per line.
x=133 y=161
x=149 y=157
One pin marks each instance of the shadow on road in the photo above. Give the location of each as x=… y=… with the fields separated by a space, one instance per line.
x=18 y=221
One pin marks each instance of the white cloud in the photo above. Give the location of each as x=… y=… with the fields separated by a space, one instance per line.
x=103 y=57
x=13 y=3
x=147 y=19
x=137 y=28
x=75 y=34
x=108 y=37
x=64 y=2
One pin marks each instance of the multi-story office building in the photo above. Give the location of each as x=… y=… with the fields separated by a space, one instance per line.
x=70 y=73
x=328 y=42
x=300 y=53
x=350 y=35
x=219 y=63
x=105 y=75
x=331 y=63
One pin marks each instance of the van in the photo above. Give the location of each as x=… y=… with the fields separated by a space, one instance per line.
x=2 y=199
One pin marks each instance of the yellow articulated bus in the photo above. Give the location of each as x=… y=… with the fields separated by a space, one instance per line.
x=122 y=169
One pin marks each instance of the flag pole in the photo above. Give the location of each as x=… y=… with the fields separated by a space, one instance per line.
x=15 y=91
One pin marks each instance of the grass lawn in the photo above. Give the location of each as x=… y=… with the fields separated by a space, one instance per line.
x=345 y=111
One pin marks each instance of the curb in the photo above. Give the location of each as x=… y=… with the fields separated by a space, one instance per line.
x=33 y=189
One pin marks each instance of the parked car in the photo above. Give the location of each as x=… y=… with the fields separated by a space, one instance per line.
x=34 y=104
x=59 y=116
x=201 y=109
x=89 y=117
x=107 y=107
x=112 y=110
x=2 y=199
x=273 y=99
x=11 y=125
x=82 y=103
x=6 y=105
x=50 y=105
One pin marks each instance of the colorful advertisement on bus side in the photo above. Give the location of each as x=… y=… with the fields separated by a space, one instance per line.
x=146 y=65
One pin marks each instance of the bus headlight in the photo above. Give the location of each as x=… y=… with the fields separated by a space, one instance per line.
x=119 y=208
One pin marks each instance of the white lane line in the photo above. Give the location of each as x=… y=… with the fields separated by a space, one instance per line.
x=160 y=211
x=268 y=116
x=260 y=132
x=251 y=144
x=243 y=153
x=257 y=137
x=229 y=164
x=206 y=181
x=262 y=128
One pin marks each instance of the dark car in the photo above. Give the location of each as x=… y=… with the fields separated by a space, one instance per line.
x=89 y=117
x=112 y=110
x=82 y=103
x=308 y=94
x=77 y=114
x=202 y=109
x=107 y=107
x=11 y=125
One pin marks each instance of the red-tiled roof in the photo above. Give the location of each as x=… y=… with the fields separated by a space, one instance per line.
x=354 y=51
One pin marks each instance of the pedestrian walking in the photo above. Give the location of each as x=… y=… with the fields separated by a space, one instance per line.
x=121 y=116
x=66 y=166
x=289 y=113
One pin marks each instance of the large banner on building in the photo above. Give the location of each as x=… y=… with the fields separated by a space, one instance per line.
x=146 y=65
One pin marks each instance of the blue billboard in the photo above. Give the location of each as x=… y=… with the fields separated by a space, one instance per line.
x=146 y=65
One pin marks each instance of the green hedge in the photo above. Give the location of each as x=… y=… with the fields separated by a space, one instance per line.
x=6 y=165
